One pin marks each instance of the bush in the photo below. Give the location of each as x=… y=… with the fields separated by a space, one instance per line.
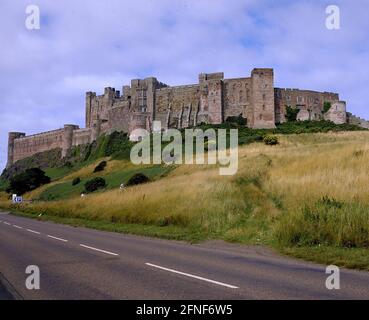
x=100 y=167
x=27 y=181
x=76 y=181
x=314 y=126
x=291 y=113
x=95 y=184
x=326 y=107
x=239 y=120
x=271 y=140
x=138 y=178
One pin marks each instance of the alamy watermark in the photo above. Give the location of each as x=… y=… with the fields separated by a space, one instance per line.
x=32 y=21
x=333 y=280
x=333 y=20
x=221 y=147
x=33 y=280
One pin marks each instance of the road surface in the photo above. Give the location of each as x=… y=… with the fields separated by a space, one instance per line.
x=80 y=263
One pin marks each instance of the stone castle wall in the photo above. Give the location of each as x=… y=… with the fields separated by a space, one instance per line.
x=25 y=146
x=310 y=103
x=352 y=119
x=337 y=113
x=212 y=100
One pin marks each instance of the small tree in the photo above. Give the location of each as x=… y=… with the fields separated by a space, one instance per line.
x=27 y=181
x=291 y=113
x=95 y=184
x=327 y=105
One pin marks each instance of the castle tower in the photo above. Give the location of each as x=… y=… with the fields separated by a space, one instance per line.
x=211 y=98
x=96 y=129
x=12 y=136
x=68 y=138
x=90 y=96
x=263 y=109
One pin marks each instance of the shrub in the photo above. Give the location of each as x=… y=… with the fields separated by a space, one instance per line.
x=239 y=120
x=138 y=178
x=270 y=140
x=326 y=106
x=27 y=181
x=291 y=113
x=100 y=167
x=76 y=181
x=95 y=184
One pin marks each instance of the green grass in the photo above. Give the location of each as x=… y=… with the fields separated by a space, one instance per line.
x=326 y=222
x=114 y=180
x=3 y=184
x=166 y=232
x=353 y=258
x=59 y=172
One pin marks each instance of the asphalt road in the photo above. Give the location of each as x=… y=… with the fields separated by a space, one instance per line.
x=79 y=263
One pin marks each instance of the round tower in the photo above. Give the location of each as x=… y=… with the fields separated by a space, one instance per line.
x=68 y=138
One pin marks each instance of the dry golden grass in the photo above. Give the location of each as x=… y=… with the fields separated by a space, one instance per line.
x=4 y=196
x=275 y=198
x=336 y=166
x=271 y=180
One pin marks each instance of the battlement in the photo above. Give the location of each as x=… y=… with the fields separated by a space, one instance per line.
x=262 y=71
x=210 y=76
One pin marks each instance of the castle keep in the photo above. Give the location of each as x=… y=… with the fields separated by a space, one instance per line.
x=212 y=100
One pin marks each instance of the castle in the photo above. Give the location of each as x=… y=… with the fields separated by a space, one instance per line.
x=212 y=100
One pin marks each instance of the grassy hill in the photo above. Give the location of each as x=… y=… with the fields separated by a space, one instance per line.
x=307 y=197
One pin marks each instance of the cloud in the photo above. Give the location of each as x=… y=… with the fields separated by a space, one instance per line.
x=87 y=45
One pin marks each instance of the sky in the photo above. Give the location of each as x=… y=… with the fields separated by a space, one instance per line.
x=86 y=45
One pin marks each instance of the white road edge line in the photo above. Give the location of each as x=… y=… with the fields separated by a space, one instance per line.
x=193 y=276
x=7 y=223
x=104 y=251
x=56 y=238
x=33 y=231
x=18 y=227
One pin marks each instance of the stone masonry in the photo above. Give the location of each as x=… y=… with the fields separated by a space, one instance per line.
x=212 y=100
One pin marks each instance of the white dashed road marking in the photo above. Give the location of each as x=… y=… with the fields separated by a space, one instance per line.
x=193 y=276
x=148 y=264
x=33 y=231
x=56 y=238
x=103 y=251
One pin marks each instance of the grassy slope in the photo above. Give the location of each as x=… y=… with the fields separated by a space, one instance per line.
x=262 y=204
x=65 y=189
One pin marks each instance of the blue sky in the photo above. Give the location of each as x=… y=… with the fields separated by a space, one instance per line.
x=87 y=45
